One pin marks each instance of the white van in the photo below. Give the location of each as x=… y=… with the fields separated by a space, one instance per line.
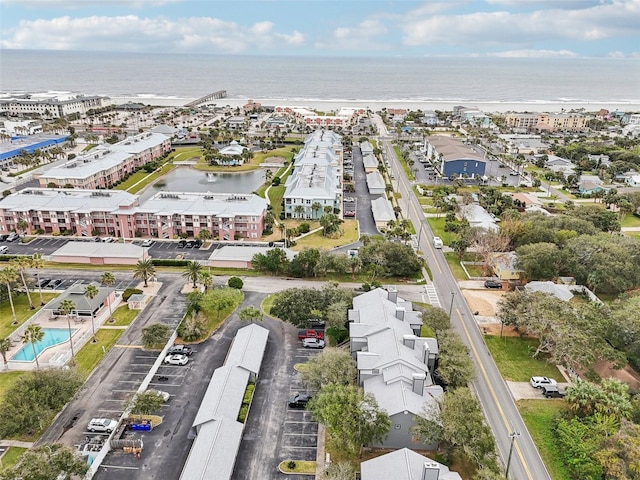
x=437 y=242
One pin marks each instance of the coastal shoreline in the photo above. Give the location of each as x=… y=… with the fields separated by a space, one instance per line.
x=376 y=105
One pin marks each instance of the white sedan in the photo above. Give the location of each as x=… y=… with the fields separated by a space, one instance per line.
x=539 y=382
x=176 y=359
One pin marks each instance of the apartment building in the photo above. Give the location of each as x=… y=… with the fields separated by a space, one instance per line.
x=103 y=166
x=316 y=181
x=550 y=122
x=56 y=107
x=120 y=214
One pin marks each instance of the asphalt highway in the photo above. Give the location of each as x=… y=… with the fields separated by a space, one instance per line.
x=499 y=406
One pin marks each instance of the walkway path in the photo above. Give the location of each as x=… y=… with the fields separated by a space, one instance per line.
x=16 y=443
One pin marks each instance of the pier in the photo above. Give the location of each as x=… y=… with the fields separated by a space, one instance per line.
x=207 y=98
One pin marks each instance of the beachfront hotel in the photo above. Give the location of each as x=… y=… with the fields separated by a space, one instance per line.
x=51 y=107
x=316 y=179
x=120 y=214
x=547 y=122
x=105 y=165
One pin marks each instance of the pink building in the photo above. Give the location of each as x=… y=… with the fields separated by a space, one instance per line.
x=118 y=213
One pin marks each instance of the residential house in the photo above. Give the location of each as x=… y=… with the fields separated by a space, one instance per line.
x=633 y=180
x=559 y=164
x=454 y=158
x=393 y=363
x=504 y=265
x=371 y=163
x=478 y=217
x=526 y=199
x=561 y=291
x=366 y=148
x=405 y=464
x=236 y=123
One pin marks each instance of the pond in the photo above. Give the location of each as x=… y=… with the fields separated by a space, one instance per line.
x=186 y=179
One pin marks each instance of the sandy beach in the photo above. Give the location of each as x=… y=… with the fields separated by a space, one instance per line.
x=376 y=105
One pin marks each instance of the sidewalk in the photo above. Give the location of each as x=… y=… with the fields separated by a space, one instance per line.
x=16 y=443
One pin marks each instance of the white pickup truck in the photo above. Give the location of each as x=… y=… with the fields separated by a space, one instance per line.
x=437 y=242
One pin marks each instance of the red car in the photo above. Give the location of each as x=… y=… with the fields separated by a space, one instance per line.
x=310 y=333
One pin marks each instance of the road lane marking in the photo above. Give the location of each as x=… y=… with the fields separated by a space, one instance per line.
x=493 y=394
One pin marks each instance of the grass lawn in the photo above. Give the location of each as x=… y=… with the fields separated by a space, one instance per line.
x=316 y=240
x=90 y=355
x=123 y=316
x=513 y=358
x=11 y=456
x=275 y=199
x=214 y=319
x=630 y=221
x=405 y=167
x=538 y=415
x=267 y=303
x=254 y=163
x=301 y=466
x=437 y=226
x=8 y=380
x=454 y=265
x=23 y=313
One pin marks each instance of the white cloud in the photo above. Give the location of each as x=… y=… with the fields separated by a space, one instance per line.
x=614 y=19
x=76 y=4
x=534 y=54
x=133 y=33
x=618 y=54
x=361 y=37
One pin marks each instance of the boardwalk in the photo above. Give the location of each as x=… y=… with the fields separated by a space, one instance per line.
x=207 y=98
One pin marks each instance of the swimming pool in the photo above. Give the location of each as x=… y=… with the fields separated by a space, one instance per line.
x=52 y=337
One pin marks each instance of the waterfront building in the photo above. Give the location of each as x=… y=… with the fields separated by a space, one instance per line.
x=548 y=122
x=120 y=214
x=55 y=107
x=454 y=158
x=105 y=165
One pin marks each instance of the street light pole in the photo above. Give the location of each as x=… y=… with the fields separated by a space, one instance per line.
x=513 y=436
x=453 y=295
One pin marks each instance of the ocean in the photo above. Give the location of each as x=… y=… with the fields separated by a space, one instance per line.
x=493 y=84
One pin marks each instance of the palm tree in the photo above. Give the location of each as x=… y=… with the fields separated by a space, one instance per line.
x=250 y=314
x=207 y=280
x=109 y=280
x=66 y=307
x=33 y=334
x=5 y=345
x=299 y=210
x=91 y=292
x=7 y=276
x=37 y=262
x=144 y=270
x=193 y=271
x=21 y=264
x=316 y=207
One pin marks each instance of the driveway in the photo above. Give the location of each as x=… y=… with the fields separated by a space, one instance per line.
x=363 y=213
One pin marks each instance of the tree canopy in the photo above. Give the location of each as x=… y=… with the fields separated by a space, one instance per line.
x=46 y=462
x=297 y=305
x=333 y=366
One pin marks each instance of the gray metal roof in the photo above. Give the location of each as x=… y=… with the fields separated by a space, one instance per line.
x=404 y=464
x=382 y=209
x=99 y=250
x=223 y=397
x=213 y=453
x=248 y=348
x=83 y=303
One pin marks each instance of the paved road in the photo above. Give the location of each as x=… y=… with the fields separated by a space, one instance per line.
x=500 y=410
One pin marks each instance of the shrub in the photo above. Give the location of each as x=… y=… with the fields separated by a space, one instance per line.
x=6 y=193
x=128 y=292
x=304 y=228
x=235 y=282
x=291 y=464
x=169 y=262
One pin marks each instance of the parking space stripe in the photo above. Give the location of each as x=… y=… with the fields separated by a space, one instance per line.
x=118 y=467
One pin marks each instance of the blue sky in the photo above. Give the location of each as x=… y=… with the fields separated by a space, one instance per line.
x=491 y=28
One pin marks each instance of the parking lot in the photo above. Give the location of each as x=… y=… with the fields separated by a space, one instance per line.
x=275 y=432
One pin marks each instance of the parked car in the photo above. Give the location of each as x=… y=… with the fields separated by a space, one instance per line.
x=310 y=333
x=299 y=400
x=312 y=343
x=176 y=359
x=43 y=283
x=492 y=284
x=3 y=250
x=539 y=382
x=197 y=243
x=13 y=236
x=55 y=283
x=182 y=243
x=3 y=237
x=181 y=349
x=189 y=244
x=107 y=425
x=107 y=239
x=147 y=243
x=552 y=391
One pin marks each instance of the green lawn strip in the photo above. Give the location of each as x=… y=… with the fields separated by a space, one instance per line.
x=267 y=303
x=437 y=226
x=215 y=319
x=301 y=466
x=90 y=355
x=513 y=358
x=630 y=221
x=538 y=416
x=23 y=312
x=454 y=265
x=11 y=457
x=426 y=331
x=124 y=316
x=317 y=240
x=8 y=380
x=275 y=199
x=404 y=164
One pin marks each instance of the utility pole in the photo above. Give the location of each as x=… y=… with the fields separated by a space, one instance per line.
x=453 y=295
x=513 y=436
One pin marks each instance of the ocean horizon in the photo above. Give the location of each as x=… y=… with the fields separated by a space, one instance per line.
x=492 y=84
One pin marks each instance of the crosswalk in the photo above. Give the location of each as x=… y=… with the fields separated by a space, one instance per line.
x=432 y=296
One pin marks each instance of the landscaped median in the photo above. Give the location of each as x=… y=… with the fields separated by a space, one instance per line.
x=297 y=467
